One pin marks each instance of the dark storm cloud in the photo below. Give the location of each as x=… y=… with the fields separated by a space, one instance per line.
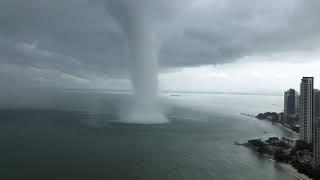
x=234 y=30
x=77 y=40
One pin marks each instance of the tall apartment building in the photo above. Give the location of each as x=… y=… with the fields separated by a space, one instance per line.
x=316 y=129
x=297 y=104
x=306 y=109
x=290 y=102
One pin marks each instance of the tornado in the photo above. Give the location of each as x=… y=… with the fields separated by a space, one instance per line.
x=145 y=23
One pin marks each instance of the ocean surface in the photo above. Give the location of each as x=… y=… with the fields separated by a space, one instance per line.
x=78 y=136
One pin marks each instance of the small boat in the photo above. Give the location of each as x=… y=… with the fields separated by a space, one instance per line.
x=175 y=95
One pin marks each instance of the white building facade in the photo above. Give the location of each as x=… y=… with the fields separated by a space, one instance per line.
x=306 y=109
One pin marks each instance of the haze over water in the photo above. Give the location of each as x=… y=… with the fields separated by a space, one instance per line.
x=84 y=140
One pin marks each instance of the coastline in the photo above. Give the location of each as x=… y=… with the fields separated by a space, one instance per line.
x=292 y=171
x=275 y=123
x=288 y=129
x=284 y=166
x=287 y=167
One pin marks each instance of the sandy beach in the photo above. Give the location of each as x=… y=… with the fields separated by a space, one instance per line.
x=288 y=129
x=291 y=170
x=286 y=167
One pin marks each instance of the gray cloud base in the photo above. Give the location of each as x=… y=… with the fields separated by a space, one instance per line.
x=62 y=41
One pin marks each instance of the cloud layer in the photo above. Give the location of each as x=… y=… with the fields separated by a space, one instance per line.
x=70 y=42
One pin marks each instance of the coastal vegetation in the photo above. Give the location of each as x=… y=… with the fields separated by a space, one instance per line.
x=272 y=116
x=296 y=153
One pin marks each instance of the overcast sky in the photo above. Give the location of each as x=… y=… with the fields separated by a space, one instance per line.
x=217 y=45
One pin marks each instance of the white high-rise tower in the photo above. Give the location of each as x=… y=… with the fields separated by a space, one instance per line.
x=306 y=109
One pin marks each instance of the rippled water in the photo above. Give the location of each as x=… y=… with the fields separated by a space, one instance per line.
x=80 y=138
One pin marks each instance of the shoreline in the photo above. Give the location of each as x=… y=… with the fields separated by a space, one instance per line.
x=284 y=166
x=275 y=123
x=287 y=168
x=287 y=129
x=292 y=171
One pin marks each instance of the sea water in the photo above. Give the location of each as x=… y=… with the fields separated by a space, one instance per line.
x=80 y=136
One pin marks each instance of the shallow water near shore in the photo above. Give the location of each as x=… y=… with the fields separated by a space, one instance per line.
x=83 y=139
